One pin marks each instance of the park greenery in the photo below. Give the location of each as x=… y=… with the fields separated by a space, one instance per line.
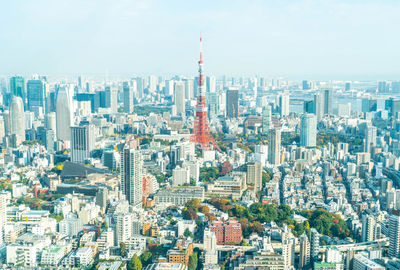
x=209 y=174
x=327 y=223
x=147 y=109
x=193 y=207
x=193 y=261
x=252 y=218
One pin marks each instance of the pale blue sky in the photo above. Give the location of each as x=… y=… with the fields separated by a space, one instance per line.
x=292 y=38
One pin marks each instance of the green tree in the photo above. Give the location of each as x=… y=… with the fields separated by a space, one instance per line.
x=188 y=233
x=135 y=263
x=146 y=258
x=193 y=261
x=122 y=247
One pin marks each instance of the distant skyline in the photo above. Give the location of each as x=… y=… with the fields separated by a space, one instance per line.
x=304 y=39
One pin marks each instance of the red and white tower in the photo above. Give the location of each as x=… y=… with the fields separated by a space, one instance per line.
x=201 y=133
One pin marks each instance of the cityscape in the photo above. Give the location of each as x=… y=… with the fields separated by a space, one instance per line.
x=199 y=170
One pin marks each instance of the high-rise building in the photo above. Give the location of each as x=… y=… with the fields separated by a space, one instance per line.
x=304 y=258
x=284 y=105
x=101 y=197
x=50 y=122
x=36 y=94
x=152 y=86
x=211 y=84
x=82 y=142
x=111 y=98
x=314 y=244
x=383 y=86
x=111 y=159
x=369 y=131
x=64 y=113
x=368 y=232
x=328 y=100
x=266 y=119
x=309 y=106
x=179 y=98
x=17 y=118
x=124 y=227
x=232 y=103
x=319 y=105
x=288 y=252
x=347 y=86
x=189 y=89
x=3 y=213
x=308 y=130
x=169 y=87
x=17 y=87
x=140 y=82
x=128 y=97
x=394 y=234
x=369 y=105
x=180 y=176
x=212 y=102
x=306 y=85
x=254 y=175
x=131 y=175
x=210 y=240
x=274 y=147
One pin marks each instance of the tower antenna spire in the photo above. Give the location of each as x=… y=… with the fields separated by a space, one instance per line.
x=201 y=133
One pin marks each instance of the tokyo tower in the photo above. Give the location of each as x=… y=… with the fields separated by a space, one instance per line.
x=201 y=133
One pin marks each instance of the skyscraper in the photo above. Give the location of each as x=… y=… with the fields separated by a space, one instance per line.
x=212 y=102
x=284 y=105
x=124 y=227
x=64 y=113
x=189 y=89
x=254 y=176
x=319 y=106
x=17 y=87
x=266 y=119
x=347 y=86
x=232 y=103
x=308 y=130
x=368 y=227
x=36 y=94
x=50 y=122
x=211 y=84
x=314 y=244
x=309 y=106
x=179 y=98
x=111 y=98
x=82 y=142
x=306 y=85
x=3 y=213
x=17 y=119
x=304 y=258
x=274 y=147
x=328 y=100
x=128 y=97
x=131 y=174
x=394 y=234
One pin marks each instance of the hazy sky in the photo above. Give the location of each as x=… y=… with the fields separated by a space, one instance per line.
x=293 y=38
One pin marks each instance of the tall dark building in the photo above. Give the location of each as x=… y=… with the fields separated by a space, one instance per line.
x=309 y=106
x=328 y=100
x=347 y=86
x=17 y=87
x=36 y=94
x=232 y=103
x=306 y=85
